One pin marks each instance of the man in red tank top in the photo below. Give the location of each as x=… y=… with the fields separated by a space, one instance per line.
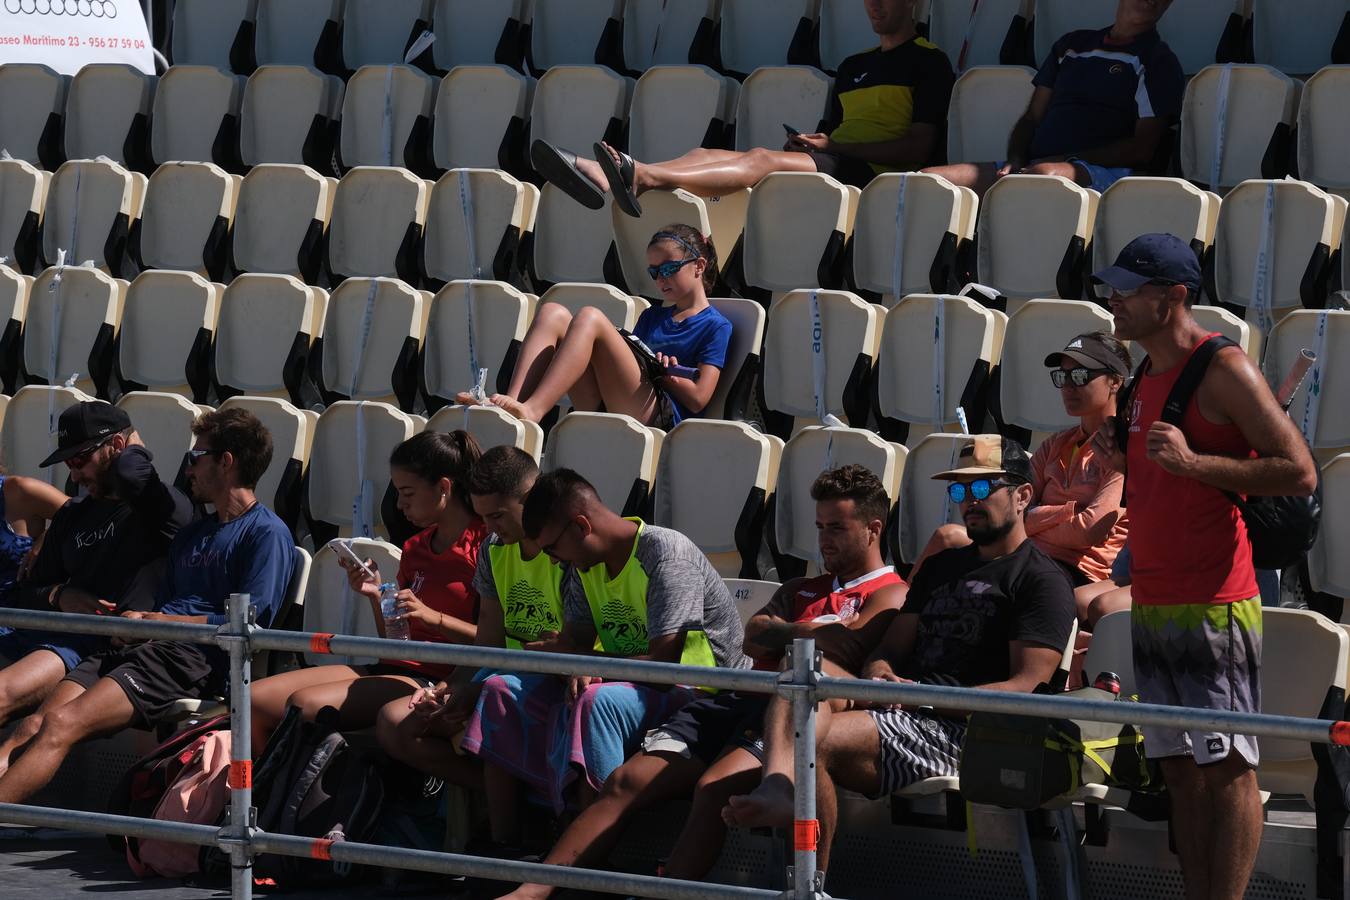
x=1196 y=619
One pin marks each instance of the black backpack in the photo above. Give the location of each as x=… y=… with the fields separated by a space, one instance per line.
x=1281 y=529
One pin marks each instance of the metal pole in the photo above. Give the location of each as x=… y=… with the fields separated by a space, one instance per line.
x=806 y=879
x=237 y=835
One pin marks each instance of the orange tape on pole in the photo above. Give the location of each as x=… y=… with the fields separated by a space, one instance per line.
x=806 y=835
x=321 y=642
x=321 y=849
x=1340 y=734
x=241 y=774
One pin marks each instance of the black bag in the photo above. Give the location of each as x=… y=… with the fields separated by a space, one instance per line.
x=1281 y=529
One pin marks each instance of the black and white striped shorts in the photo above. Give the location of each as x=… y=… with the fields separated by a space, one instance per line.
x=915 y=746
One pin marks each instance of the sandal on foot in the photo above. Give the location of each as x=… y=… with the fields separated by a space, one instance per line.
x=620 y=177
x=559 y=168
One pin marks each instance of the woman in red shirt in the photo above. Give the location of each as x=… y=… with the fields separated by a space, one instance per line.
x=436 y=597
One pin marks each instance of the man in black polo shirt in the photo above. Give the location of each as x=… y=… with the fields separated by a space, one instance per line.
x=1104 y=100
x=888 y=113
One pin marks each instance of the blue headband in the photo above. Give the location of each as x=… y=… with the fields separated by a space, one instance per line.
x=670 y=236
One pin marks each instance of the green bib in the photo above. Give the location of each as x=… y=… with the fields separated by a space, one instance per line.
x=619 y=607
x=530 y=593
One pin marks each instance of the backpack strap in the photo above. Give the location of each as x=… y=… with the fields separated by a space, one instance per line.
x=1174 y=410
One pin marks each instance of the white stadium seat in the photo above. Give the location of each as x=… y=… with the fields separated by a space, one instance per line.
x=980 y=42
x=299 y=33
x=88 y=306
x=108 y=114
x=1259 y=108
x=32 y=113
x=29 y=435
x=1324 y=130
x=807 y=212
x=924 y=221
x=479 y=32
x=91 y=205
x=986 y=103
x=376 y=228
x=196 y=116
x=476 y=220
x=380 y=32
x=759 y=33
x=370 y=356
x=168 y=322
x=1039 y=328
x=215 y=33
x=349 y=467
x=281 y=220
x=472 y=325
x=290 y=114
x=660 y=33
x=1058 y=212
x=617 y=454
x=266 y=328
x=164 y=422
x=575 y=106
x=189 y=211
x=775 y=96
x=23 y=200
x=1296 y=36
x=481 y=118
x=491 y=427
x=678 y=108
x=386 y=117
x=575 y=33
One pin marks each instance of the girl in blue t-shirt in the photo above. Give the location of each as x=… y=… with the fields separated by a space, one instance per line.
x=585 y=357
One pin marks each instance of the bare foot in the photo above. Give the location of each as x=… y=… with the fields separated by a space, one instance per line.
x=640 y=182
x=591 y=169
x=513 y=406
x=464 y=398
x=767 y=806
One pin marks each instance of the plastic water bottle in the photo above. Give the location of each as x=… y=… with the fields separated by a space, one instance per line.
x=395 y=628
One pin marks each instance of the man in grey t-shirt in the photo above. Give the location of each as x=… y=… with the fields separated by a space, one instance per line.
x=640 y=592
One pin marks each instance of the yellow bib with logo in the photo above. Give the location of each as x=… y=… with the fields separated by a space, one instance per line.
x=530 y=593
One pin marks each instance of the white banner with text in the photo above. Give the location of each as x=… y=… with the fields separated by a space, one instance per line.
x=67 y=34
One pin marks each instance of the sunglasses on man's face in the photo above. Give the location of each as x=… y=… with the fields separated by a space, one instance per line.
x=1078 y=376
x=80 y=460
x=197 y=453
x=1104 y=291
x=668 y=268
x=979 y=489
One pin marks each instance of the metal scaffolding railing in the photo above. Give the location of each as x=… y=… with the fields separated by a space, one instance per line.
x=802 y=684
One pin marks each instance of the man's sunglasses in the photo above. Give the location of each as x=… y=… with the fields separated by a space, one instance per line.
x=1078 y=376
x=81 y=459
x=668 y=268
x=1104 y=291
x=196 y=454
x=979 y=489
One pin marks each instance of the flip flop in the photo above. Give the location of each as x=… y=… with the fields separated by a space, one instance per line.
x=620 y=178
x=559 y=168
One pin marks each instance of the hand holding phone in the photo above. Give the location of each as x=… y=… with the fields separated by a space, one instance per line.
x=683 y=372
x=791 y=132
x=344 y=551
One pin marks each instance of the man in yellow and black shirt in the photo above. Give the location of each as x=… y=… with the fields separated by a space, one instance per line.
x=888 y=113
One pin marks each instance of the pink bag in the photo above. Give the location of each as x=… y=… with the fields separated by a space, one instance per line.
x=198 y=797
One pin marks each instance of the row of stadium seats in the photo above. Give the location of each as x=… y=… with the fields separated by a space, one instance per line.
x=1297 y=36
x=903 y=234
x=724 y=484
x=1238 y=122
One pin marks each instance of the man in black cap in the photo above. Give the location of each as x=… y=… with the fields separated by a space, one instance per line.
x=1196 y=616
x=100 y=555
x=996 y=614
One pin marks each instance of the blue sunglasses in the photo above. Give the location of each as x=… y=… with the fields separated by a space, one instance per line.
x=669 y=268
x=980 y=489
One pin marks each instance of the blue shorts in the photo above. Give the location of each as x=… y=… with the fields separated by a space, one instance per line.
x=1101 y=177
x=14 y=645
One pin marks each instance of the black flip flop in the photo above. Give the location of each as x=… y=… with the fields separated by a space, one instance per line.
x=620 y=177
x=559 y=168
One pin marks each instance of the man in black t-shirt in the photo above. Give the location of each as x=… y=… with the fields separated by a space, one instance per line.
x=995 y=615
x=888 y=113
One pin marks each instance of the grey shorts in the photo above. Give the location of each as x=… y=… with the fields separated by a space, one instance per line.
x=915 y=746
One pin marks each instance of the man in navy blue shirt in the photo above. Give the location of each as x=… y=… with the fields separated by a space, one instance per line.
x=242 y=548
x=1103 y=102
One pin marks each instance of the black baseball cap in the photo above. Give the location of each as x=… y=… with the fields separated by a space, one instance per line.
x=989 y=455
x=1152 y=257
x=1092 y=352
x=84 y=426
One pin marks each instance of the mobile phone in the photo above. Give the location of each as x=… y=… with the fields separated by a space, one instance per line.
x=792 y=132
x=683 y=372
x=344 y=550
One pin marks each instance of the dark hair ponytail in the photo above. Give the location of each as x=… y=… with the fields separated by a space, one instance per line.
x=433 y=455
x=689 y=238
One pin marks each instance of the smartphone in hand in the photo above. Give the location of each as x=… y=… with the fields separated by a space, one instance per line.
x=683 y=372
x=791 y=132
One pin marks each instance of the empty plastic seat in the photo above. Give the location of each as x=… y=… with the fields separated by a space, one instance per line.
x=472 y=325
x=750 y=595
x=1236 y=123
x=14 y=289
x=922 y=503
x=1033 y=234
x=29 y=435
x=570 y=241
x=1305 y=226
x=299 y=33
x=164 y=422
x=290 y=114
x=1216 y=318
x=575 y=106
x=908 y=232
x=979 y=34
x=90 y=207
x=986 y=103
x=808 y=213
x=1199 y=30
x=713 y=484
x=281 y=219
x=1329 y=561
x=85 y=307
x=349 y=467
x=331 y=605
x=266 y=328
x=936 y=354
x=475 y=222
x=1321 y=408
x=771 y=97
x=189 y=210
x=1056 y=18
x=745 y=358
x=481 y=117
x=617 y=306
x=480 y=32
x=660 y=33
x=108 y=114
x=845 y=30
x=214 y=33
x=633 y=235
x=576 y=33
x=32 y=113
x=678 y=108
x=378 y=215
x=810 y=452
x=1138 y=205
x=1296 y=36
x=617 y=454
x=1324 y=129
x=380 y=32
x=23 y=198
x=196 y=116
x=279 y=489
x=1041 y=327
x=168 y=321
x=491 y=427
x=370 y=356
x=759 y=33
x=386 y=117
x=848 y=333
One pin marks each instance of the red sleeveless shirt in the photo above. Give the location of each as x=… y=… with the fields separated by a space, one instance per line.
x=1188 y=543
x=823 y=596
